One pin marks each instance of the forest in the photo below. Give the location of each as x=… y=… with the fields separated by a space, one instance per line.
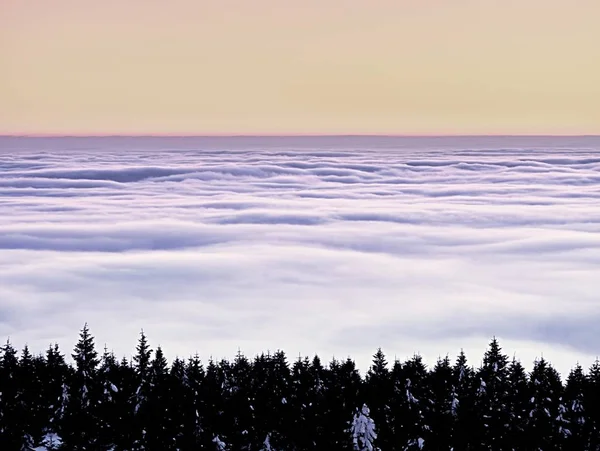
x=100 y=402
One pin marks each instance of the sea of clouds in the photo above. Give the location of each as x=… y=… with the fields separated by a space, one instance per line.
x=333 y=246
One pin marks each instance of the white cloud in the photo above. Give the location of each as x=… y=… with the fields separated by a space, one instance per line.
x=310 y=246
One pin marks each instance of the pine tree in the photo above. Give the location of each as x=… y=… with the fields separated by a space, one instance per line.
x=463 y=406
x=363 y=431
x=214 y=405
x=141 y=409
x=126 y=382
x=492 y=399
x=195 y=408
x=545 y=416
x=159 y=423
x=12 y=427
x=80 y=427
x=417 y=403
x=28 y=400
x=378 y=390
x=343 y=387
x=441 y=417
x=592 y=406
x=280 y=380
x=109 y=408
x=271 y=377
x=518 y=403
x=577 y=436
x=307 y=407
x=54 y=389
x=239 y=409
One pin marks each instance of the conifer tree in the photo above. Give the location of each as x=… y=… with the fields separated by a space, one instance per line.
x=215 y=425
x=518 y=403
x=378 y=391
x=28 y=400
x=271 y=377
x=80 y=428
x=441 y=416
x=343 y=387
x=12 y=427
x=592 y=406
x=463 y=406
x=492 y=399
x=109 y=408
x=544 y=430
x=577 y=436
x=301 y=399
x=417 y=403
x=159 y=423
x=195 y=403
x=262 y=405
x=54 y=384
x=180 y=406
x=141 y=409
x=239 y=404
x=363 y=431
x=280 y=380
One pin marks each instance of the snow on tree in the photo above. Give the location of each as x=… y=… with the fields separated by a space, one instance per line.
x=50 y=442
x=379 y=390
x=267 y=444
x=592 y=406
x=417 y=403
x=517 y=402
x=546 y=414
x=492 y=398
x=444 y=404
x=219 y=444
x=363 y=430
x=84 y=396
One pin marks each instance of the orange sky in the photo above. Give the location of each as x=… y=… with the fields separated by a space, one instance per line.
x=311 y=66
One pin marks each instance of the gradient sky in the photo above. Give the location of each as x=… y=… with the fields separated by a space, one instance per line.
x=315 y=66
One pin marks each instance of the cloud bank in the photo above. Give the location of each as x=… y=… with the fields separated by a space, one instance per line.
x=312 y=245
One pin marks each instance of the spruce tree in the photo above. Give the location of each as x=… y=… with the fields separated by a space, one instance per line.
x=109 y=409
x=54 y=388
x=592 y=406
x=81 y=426
x=141 y=409
x=126 y=384
x=28 y=400
x=363 y=430
x=378 y=391
x=518 y=403
x=544 y=429
x=417 y=403
x=195 y=405
x=463 y=406
x=492 y=400
x=239 y=404
x=307 y=407
x=12 y=426
x=159 y=423
x=577 y=436
x=215 y=425
x=343 y=387
x=441 y=417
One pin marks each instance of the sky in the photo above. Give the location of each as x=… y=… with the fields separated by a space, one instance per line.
x=311 y=245
x=303 y=67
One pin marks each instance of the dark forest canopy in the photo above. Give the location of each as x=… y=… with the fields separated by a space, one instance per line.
x=270 y=403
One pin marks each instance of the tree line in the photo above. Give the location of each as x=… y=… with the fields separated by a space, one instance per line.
x=269 y=403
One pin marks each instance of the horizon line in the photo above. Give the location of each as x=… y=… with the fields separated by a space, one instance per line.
x=294 y=135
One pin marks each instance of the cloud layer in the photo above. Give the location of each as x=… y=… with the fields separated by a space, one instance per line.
x=310 y=245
